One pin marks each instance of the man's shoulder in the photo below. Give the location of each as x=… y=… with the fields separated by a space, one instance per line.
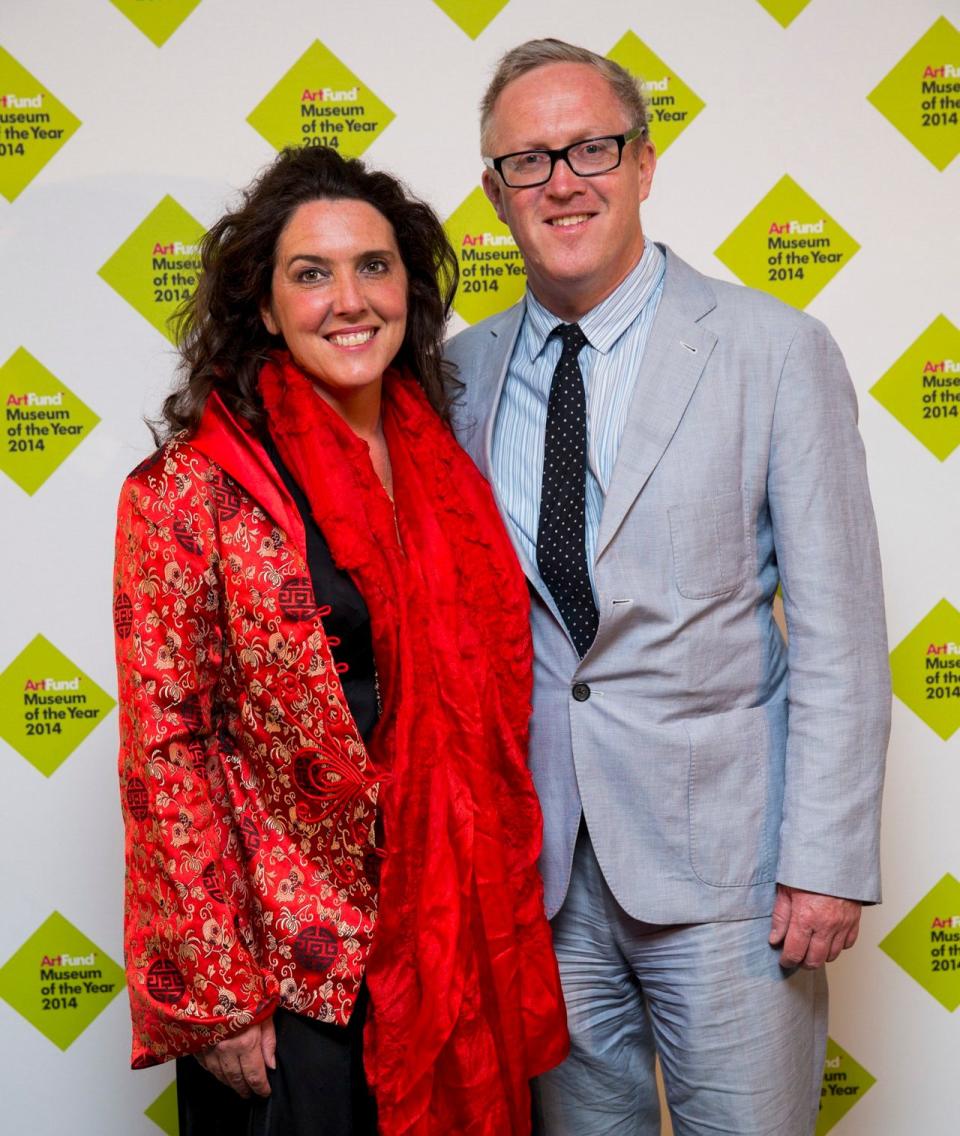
x=479 y=355
x=739 y=305
x=467 y=344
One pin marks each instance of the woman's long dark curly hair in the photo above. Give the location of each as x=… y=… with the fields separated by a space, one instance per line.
x=220 y=332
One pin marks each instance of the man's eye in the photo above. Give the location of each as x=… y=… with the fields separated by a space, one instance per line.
x=530 y=161
x=598 y=149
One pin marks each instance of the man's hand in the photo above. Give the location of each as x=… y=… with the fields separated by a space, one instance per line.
x=242 y=1061
x=812 y=928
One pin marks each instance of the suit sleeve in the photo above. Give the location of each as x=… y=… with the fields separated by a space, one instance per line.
x=192 y=980
x=839 y=679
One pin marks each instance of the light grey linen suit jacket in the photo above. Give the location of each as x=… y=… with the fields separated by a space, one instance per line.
x=712 y=760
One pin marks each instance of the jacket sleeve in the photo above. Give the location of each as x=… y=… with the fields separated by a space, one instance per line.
x=839 y=677
x=192 y=980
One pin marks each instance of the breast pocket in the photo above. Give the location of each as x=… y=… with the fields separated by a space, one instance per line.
x=709 y=539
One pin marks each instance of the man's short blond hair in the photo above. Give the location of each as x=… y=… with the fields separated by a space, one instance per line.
x=540 y=52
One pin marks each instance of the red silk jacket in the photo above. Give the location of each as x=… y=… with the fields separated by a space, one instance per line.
x=249 y=799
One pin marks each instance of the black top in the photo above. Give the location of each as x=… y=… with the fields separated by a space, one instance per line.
x=348 y=624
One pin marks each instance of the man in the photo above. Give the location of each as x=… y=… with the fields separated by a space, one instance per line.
x=665 y=458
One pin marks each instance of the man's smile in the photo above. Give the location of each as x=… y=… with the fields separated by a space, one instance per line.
x=569 y=221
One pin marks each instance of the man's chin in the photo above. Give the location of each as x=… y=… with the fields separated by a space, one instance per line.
x=565 y=272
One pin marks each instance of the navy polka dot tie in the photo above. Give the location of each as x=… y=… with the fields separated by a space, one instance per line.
x=561 y=549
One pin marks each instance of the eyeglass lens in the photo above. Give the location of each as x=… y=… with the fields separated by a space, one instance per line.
x=594 y=156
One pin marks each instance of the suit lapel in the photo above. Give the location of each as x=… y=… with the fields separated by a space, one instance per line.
x=676 y=354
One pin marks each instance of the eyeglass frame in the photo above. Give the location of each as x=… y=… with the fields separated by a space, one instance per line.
x=563 y=155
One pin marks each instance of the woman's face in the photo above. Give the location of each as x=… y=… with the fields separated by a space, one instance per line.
x=339 y=296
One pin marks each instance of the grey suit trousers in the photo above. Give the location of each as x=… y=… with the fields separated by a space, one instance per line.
x=741 y=1040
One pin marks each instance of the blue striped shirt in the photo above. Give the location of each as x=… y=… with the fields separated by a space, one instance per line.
x=617 y=329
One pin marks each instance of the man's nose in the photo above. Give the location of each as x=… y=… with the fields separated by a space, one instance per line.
x=563 y=181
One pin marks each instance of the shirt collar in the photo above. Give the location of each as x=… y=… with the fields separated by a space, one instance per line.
x=604 y=324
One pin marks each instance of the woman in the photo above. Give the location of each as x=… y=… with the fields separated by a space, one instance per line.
x=324 y=689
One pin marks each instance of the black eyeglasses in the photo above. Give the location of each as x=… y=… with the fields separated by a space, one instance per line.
x=588 y=158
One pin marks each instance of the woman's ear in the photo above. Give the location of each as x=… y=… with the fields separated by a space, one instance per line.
x=266 y=314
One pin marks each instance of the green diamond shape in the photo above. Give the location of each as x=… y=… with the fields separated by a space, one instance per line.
x=926 y=942
x=156 y=267
x=49 y=705
x=788 y=245
x=60 y=981
x=157 y=19
x=492 y=276
x=44 y=421
x=163 y=1111
x=922 y=389
x=320 y=102
x=926 y=669
x=33 y=126
x=472 y=16
x=784 y=12
x=844 y=1083
x=671 y=104
x=921 y=95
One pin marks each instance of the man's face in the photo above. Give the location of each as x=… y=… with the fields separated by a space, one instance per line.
x=579 y=236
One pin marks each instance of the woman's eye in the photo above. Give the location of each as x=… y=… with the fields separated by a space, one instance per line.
x=309 y=275
x=376 y=267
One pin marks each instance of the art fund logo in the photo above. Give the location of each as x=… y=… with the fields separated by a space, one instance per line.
x=69 y=960
x=943 y=649
x=938 y=923
x=14 y=101
x=942 y=367
x=488 y=240
x=796 y=227
x=30 y=398
x=174 y=248
x=944 y=71
x=52 y=684
x=330 y=95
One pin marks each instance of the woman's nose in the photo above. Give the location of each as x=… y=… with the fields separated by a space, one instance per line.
x=348 y=295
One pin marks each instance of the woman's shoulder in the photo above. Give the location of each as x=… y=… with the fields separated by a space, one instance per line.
x=175 y=472
x=177 y=449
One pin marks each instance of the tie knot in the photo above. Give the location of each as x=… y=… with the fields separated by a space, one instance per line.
x=571 y=336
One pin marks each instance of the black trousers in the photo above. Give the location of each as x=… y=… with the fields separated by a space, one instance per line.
x=318 y=1087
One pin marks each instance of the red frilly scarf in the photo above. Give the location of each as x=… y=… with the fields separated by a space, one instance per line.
x=466 y=1001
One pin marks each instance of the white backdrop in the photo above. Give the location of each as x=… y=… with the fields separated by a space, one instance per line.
x=171 y=119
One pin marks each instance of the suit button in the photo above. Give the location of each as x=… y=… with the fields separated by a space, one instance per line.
x=581 y=692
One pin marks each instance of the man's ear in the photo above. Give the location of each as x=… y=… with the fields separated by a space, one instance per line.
x=266 y=314
x=493 y=188
x=646 y=165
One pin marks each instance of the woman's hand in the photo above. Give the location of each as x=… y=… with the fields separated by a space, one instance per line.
x=242 y=1061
